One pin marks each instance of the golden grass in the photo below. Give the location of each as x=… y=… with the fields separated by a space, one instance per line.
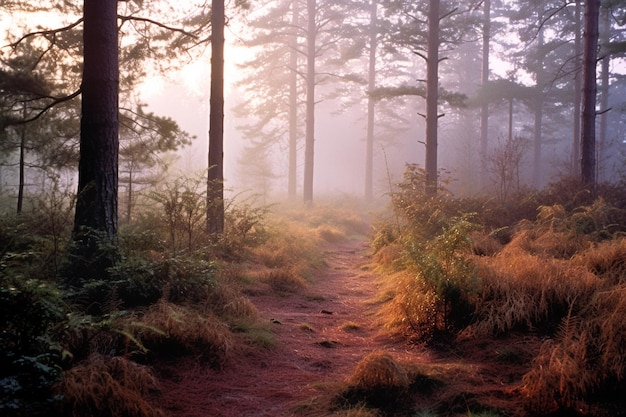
x=330 y=233
x=588 y=354
x=350 y=326
x=107 y=387
x=484 y=244
x=377 y=380
x=607 y=260
x=283 y=280
x=521 y=290
x=185 y=331
x=409 y=308
x=290 y=245
x=306 y=327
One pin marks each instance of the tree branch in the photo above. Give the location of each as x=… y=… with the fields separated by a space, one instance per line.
x=45 y=33
x=158 y=24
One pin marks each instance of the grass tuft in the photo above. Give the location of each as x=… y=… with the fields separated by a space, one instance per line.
x=284 y=281
x=377 y=381
x=107 y=387
x=185 y=331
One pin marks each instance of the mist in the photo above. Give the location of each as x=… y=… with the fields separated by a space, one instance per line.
x=341 y=113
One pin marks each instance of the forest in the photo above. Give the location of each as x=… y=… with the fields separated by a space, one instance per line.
x=312 y=207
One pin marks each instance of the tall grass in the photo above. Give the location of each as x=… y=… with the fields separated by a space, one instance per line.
x=558 y=274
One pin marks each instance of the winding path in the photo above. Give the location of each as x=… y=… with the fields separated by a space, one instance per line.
x=321 y=335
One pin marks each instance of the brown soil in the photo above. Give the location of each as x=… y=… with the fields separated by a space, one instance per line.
x=321 y=334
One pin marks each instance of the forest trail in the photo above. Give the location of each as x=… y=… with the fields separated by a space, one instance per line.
x=321 y=334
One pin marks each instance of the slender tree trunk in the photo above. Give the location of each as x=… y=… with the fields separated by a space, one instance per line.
x=310 y=103
x=129 y=201
x=588 y=121
x=96 y=203
x=484 y=79
x=215 y=178
x=539 y=103
x=604 y=95
x=20 y=188
x=371 y=104
x=293 y=106
x=577 y=87
x=432 y=97
x=511 y=99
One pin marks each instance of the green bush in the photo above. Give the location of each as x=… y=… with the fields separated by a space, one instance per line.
x=441 y=267
x=30 y=313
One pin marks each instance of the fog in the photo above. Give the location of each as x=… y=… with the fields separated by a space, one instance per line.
x=530 y=106
x=339 y=145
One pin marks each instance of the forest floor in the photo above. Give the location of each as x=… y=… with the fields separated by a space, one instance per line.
x=321 y=334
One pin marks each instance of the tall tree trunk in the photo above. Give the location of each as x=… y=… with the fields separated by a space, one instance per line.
x=588 y=121
x=22 y=162
x=371 y=104
x=215 y=177
x=604 y=94
x=96 y=203
x=511 y=100
x=484 y=79
x=577 y=87
x=129 y=197
x=310 y=103
x=432 y=97
x=539 y=103
x=293 y=106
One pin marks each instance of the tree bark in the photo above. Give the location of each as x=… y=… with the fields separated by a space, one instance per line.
x=22 y=163
x=371 y=104
x=310 y=103
x=577 y=87
x=484 y=109
x=293 y=106
x=588 y=121
x=538 y=104
x=215 y=177
x=432 y=96
x=605 y=69
x=96 y=217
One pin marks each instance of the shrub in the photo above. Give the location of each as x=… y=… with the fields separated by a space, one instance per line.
x=442 y=270
x=30 y=353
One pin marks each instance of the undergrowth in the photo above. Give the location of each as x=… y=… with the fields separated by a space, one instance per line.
x=482 y=268
x=84 y=345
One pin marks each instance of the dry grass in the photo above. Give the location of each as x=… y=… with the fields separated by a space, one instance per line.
x=350 y=326
x=185 y=331
x=607 y=260
x=484 y=244
x=226 y=300
x=289 y=243
x=390 y=256
x=107 y=387
x=283 y=281
x=409 y=307
x=377 y=380
x=588 y=355
x=330 y=233
x=525 y=291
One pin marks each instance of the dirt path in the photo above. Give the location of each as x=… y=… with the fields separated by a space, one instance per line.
x=321 y=335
